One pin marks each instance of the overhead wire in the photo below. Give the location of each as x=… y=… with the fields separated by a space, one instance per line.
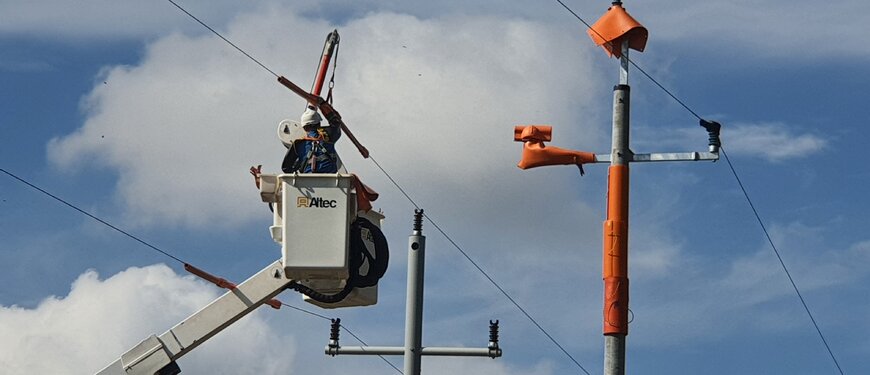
x=402 y=190
x=781 y=262
x=88 y=214
x=485 y=274
x=345 y=328
x=155 y=248
x=742 y=188
x=224 y=39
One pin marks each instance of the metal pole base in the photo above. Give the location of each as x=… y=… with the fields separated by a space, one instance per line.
x=614 y=354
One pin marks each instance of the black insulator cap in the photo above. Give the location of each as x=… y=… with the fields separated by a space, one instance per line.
x=334 y=329
x=713 y=128
x=418 y=220
x=493 y=332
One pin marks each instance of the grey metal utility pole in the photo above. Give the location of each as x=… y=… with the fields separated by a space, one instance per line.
x=414 y=349
x=414 y=299
x=616 y=254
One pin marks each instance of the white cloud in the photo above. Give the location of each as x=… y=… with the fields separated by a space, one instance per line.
x=772 y=141
x=794 y=30
x=100 y=319
x=752 y=291
x=808 y=29
x=182 y=126
x=107 y=19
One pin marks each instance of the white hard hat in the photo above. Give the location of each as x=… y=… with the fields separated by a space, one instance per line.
x=310 y=117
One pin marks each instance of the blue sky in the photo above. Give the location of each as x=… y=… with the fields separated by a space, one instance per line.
x=137 y=114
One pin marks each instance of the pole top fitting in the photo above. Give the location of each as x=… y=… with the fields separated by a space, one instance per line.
x=418 y=220
x=334 y=330
x=713 y=129
x=616 y=26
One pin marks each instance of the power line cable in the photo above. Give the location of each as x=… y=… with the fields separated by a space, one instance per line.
x=781 y=262
x=588 y=26
x=413 y=203
x=480 y=269
x=508 y=296
x=137 y=239
x=739 y=182
x=342 y=326
x=225 y=39
x=119 y=230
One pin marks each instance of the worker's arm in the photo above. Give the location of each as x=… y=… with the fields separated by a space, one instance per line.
x=334 y=128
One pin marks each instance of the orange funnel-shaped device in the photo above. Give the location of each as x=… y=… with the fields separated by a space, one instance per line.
x=614 y=27
x=536 y=154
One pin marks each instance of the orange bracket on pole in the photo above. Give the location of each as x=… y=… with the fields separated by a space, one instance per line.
x=536 y=154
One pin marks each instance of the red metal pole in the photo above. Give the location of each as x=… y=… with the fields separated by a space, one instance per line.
x=325 y=58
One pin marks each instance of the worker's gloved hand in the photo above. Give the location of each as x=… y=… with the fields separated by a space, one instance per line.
x=334 y=118
x=256 y=171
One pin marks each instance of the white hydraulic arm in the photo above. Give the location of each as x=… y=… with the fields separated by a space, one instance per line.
x=157 y=354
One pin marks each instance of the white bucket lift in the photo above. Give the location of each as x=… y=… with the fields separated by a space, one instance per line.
x=312 y=216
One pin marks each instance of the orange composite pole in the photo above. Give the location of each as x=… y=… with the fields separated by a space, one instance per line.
x=615 y=252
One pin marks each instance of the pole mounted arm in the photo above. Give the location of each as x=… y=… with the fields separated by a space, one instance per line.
x=537 y=154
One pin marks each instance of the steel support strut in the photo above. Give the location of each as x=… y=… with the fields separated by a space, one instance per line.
x=413 y=351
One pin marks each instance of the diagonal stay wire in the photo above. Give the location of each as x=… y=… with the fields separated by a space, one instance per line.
x=222 y=37
x=668 y=92
x=480 y=269
x=74 y=207
x=137 y=239
x=781 y=262
x=364 y=343
x=384 y=171
x=739 y=182
x=342 y=326
x=508 y=296
x=515 y=303
x=588 y=26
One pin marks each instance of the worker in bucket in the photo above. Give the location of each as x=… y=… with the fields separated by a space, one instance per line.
x=315 y=153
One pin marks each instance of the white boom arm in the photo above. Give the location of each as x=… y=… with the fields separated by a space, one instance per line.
x=157 y=354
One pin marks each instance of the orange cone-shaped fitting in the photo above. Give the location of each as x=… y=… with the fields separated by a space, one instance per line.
x=613 y=27
x=536 y=154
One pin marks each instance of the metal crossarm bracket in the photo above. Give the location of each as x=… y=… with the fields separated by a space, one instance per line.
x=663 y=156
